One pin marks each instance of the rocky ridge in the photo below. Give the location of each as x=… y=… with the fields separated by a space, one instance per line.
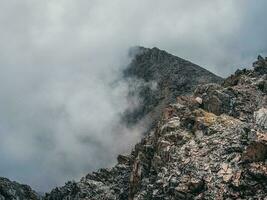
x=14 y=191
x=209 y=145
x=157 y=78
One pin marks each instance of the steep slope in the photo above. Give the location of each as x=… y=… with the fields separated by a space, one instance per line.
x=209 y=145
x=10 y=190
x=157 y=78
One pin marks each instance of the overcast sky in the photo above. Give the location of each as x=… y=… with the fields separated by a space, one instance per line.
x=59 y=105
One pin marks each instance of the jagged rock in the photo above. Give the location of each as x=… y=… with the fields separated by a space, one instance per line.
x=215 y=99
x=211 y=144
x=199 y=100
x=260 y=66
x=260 y=58
x=256 y=151
x=261 y=117
x=14 y=191
x=259 y=170
x=173 y=76
x=126 y=160
x=106 y=184
x=262 y=83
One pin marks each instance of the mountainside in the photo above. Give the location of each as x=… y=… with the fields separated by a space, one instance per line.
x=157 y=78
x=209 y=143
x=12 y=190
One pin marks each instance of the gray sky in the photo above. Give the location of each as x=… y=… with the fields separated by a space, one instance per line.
x=59 y=111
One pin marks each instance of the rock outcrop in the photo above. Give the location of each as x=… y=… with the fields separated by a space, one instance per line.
x=10 y=190
x=211 y=144
x=157 y=78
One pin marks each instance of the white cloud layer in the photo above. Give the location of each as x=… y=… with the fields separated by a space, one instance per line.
x=60 y=59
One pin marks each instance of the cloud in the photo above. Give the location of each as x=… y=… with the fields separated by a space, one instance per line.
x=61 y=63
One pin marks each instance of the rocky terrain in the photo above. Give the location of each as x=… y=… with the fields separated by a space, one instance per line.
x=157 y=78
x=207 y=144
x=13 y=190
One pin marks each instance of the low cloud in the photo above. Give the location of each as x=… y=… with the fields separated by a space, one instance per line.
x=61 y=61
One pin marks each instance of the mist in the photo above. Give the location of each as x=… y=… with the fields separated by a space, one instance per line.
x=61 y=87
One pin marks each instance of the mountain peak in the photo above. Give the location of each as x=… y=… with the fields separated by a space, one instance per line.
x=172 y=75
x=208 y=145
x=208 y=141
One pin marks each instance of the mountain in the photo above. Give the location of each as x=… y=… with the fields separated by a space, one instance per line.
x=10 y=190
x=208 y=141
x=211 y=144
x=157 y=78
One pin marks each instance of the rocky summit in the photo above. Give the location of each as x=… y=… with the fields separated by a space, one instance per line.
x=208 y=144
x=211 y=144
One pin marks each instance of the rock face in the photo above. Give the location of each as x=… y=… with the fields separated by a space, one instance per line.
x=211 y=144
x=158 y=78
x=14 y=191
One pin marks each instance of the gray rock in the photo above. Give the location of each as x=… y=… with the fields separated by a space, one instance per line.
x=10 y=190
x=213 y=148
x=261 y=117
x=173 y=76
x=199 y=150
x=260 y=66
